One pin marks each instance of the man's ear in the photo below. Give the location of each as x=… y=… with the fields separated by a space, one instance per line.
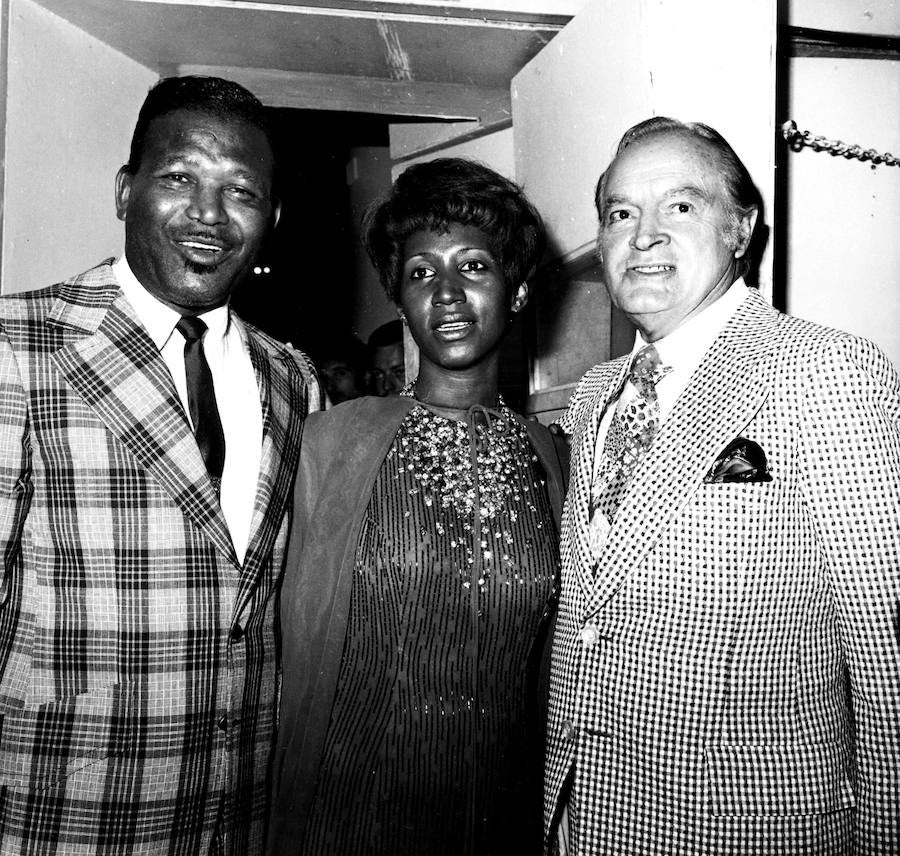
x=123 y=191
x=746 y=224
x=520 y=297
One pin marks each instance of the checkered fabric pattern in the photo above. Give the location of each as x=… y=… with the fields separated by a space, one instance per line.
x=138 y=668
x=726 y=675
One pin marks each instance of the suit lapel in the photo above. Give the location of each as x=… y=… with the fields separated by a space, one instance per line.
x=724 y=394
x=284 y=404
x=117 y=370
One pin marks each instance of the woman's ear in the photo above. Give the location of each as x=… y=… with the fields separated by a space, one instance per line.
x=520 y=297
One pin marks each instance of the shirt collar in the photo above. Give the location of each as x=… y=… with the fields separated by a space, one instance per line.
x=158 y=319
x=685 y=346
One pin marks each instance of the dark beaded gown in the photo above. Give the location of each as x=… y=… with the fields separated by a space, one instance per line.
x=429 y=749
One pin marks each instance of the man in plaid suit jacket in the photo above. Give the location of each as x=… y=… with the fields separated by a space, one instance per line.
x=138 y=665
x=726 y=665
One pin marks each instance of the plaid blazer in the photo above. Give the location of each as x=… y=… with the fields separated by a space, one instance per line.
x=137 y=656
x=725 y=679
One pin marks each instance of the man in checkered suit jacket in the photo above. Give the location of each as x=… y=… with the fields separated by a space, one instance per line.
x=726 y=665
x=138 y=668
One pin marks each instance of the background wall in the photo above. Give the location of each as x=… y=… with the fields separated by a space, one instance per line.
x=616 y=64
x=843 y=216
x=495 y=149
x=71 y=106
x=368 y=179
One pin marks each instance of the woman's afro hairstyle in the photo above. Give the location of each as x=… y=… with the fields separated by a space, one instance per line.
x=437 y=194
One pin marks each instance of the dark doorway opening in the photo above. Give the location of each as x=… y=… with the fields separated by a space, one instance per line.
x=303 y=290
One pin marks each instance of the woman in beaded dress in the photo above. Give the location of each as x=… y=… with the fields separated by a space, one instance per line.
x=423 y=558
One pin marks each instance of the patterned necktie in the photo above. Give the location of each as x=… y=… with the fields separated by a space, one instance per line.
x=631 y=433
x=202 y=398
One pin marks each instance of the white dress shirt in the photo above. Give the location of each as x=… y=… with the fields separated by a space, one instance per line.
x=682 y=350
x=237 y=394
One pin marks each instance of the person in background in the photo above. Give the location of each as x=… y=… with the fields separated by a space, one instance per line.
x=342 y=367
x=726 y=660
x=148 y=445
x=387 y=370
x=423 y=558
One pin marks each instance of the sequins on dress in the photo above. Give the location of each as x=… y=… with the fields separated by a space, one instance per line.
x=428 y=748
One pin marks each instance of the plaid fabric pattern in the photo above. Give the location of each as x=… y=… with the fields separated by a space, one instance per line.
x=137 y=657
x=726 y=675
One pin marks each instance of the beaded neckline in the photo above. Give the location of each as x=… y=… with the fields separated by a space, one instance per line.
x=430 y=444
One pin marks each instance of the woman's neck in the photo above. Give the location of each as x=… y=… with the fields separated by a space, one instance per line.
x=457 y=390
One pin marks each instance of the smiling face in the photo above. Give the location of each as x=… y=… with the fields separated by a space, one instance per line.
x=668 y=238
x=457 y=302
x=197 y=209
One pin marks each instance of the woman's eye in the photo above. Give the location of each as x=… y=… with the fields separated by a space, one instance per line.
x=683 y=207
x=420 y=273
x=472 y=265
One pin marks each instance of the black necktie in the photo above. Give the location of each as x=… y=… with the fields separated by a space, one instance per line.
x=202 y=398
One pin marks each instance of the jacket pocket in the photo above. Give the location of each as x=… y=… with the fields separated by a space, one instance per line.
x=44 y=745
x=779 y=779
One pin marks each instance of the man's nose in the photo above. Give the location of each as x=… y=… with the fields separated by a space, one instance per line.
x=206 y=206
x=649 y=232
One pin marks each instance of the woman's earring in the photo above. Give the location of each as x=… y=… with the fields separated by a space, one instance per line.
x=402 y=315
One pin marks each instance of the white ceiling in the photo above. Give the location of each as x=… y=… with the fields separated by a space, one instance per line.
x=433 y=59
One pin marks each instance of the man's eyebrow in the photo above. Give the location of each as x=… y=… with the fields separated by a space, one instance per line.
x=691 y=190
x=169 y=161
x=614 y=199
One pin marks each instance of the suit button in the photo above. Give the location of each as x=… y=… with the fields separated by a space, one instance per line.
x=567 y=730
x=590 y=635
x=237 y=633
x=222 y=722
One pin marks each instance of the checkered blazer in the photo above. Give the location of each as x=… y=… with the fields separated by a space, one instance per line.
x=137 y=655
x=726 y=677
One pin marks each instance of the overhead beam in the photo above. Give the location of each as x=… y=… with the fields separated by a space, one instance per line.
x=407 y=98
x=525 y=14
x=807 y=42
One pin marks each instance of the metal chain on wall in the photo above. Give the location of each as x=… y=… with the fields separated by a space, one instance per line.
x=798 y=140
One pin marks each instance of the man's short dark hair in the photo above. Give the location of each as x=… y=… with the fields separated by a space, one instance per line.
x=343 y=348
x=438 y=193
x=389 y=333
x=215 y=96
x=742 y=192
